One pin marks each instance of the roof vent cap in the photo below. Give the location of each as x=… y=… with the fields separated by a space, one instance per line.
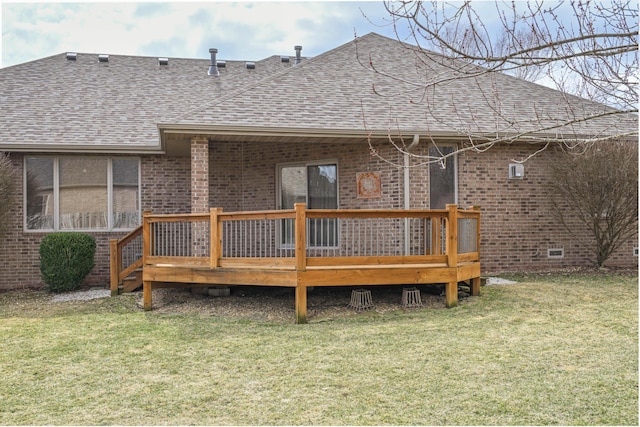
x=298 y=53
x=163 y=61
x=72 y=56
x=103 y=58
x=222 y=64
x=284 y=59
x=250 y=65
x=213 y=66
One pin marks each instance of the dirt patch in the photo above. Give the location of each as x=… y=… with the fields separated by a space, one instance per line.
x=278 y=304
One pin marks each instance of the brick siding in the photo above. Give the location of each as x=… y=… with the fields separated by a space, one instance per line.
x=517 y=226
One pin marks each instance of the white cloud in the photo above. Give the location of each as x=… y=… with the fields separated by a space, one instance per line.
x=240 y=30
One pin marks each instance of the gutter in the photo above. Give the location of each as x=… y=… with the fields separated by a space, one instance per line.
x=271 y=131
x=77 y=148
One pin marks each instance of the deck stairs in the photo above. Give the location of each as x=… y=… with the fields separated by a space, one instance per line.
x=126 y=263
x=131 y=283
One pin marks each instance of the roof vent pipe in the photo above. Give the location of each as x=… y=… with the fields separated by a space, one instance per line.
x=213 y=66
x=298 y=57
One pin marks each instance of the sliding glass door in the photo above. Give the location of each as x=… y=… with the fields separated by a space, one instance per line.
x=317 y=186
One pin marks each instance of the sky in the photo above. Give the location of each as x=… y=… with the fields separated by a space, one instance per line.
x=240 y=30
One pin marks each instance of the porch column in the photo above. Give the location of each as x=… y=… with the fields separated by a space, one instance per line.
x=199 y=174
x=199 y=192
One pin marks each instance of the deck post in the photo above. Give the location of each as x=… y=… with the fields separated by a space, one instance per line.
x=215 y=235
x=301 y=236
x=146 y=237
x=146 y=252
x=476 y=281
x=451 y=294
x=146 y=295
x=452 y=236
x=452 y=254
x=477 y=209
x=475 y=286
x=301 y=303
x=301 y=261
x=115 y=266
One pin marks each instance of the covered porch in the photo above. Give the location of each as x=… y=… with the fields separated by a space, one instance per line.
x=301 y=248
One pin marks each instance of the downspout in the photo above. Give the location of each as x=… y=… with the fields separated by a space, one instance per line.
x=407 y=199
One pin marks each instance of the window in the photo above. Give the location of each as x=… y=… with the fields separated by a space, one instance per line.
x=81 y=193
x=317 y=186
x=442 y=178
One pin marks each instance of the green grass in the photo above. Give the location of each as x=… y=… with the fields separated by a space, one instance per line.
x=553 y=349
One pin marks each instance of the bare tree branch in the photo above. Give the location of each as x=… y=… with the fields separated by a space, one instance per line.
x=588 y=49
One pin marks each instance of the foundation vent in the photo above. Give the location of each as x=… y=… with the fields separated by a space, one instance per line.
x=555 y=253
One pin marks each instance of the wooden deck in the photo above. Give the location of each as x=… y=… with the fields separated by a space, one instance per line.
x=301 y=248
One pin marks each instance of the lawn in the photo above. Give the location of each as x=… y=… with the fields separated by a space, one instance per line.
x=551 y=349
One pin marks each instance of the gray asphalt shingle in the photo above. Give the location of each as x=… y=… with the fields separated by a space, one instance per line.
x=120 y=103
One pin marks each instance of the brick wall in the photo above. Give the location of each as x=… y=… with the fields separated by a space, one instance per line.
x=517 y=225
x=165 y=188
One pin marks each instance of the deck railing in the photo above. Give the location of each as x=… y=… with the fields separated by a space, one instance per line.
x=300 y=238
x=297 y=239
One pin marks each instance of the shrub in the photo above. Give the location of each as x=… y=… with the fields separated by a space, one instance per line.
x=594 y=195
x=66 y=259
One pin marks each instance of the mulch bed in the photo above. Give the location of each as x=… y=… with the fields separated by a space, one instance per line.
x=278 y=304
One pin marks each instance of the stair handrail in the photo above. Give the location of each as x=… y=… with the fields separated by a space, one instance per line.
x=117 y=272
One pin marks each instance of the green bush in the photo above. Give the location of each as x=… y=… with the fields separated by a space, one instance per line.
x=66 y=259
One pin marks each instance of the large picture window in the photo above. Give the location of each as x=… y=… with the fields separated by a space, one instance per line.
x=81 y=193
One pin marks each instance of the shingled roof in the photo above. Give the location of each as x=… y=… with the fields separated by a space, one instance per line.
x=83 y=104
x=377 y=84
x=371 y=85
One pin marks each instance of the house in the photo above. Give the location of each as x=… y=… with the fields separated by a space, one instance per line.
x=99 y=139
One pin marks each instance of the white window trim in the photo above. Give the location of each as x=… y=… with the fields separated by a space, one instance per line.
x=56 y=194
